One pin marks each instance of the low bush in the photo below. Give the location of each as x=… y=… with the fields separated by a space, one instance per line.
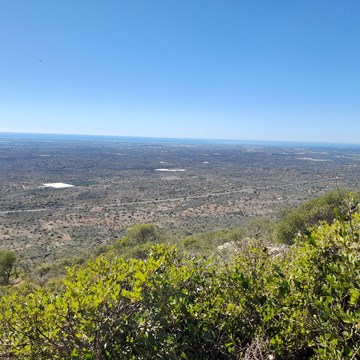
x=300 y=305
x=332 y=205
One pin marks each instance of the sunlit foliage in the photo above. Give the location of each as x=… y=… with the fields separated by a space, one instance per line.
x=7 y=265
x=300 y=305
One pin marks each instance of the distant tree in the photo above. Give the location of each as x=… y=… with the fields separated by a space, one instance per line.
x=142 y=233
x=7 y=262
x=138 y=241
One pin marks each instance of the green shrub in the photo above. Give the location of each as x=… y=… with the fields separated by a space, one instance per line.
x=325 y=208
x=304 y=304
x=7 y=265
x=141 y=233
x=137 y=241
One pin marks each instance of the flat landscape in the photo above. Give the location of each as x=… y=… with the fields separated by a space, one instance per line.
x=182 y=188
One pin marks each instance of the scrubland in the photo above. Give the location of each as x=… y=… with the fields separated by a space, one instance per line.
x=247 y=254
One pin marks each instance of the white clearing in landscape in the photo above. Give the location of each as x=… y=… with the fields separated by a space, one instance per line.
x=311 y=159
x=57 y=185
x=170 y=170
x=205 y=162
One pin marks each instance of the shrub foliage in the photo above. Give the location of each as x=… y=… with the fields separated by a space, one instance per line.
x=7 y=265
x=331 y=205
x=300 y=305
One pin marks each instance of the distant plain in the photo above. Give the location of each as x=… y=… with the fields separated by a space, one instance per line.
x=121 y=183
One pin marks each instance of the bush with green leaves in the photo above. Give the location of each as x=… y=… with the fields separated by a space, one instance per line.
x=328 y=207
x=7 y=266
x=137 y=242
x=299 y=305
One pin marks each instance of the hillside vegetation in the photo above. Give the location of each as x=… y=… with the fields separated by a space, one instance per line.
x=166 y=302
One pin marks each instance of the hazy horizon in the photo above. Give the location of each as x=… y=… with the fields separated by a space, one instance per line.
x=95 y=137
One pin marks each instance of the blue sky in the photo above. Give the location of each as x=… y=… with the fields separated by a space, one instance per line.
x=233 y=69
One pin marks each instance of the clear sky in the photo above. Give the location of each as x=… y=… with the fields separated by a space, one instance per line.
x=231 y=69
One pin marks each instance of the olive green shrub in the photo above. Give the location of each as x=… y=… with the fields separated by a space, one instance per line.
x=7 y=265
x=137 y=242
x=328 y=207
x=303 y=304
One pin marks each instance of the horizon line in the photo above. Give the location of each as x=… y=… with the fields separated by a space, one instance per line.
x=248 y=141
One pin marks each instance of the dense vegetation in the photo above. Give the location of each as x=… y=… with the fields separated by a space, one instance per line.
x=161 y=302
